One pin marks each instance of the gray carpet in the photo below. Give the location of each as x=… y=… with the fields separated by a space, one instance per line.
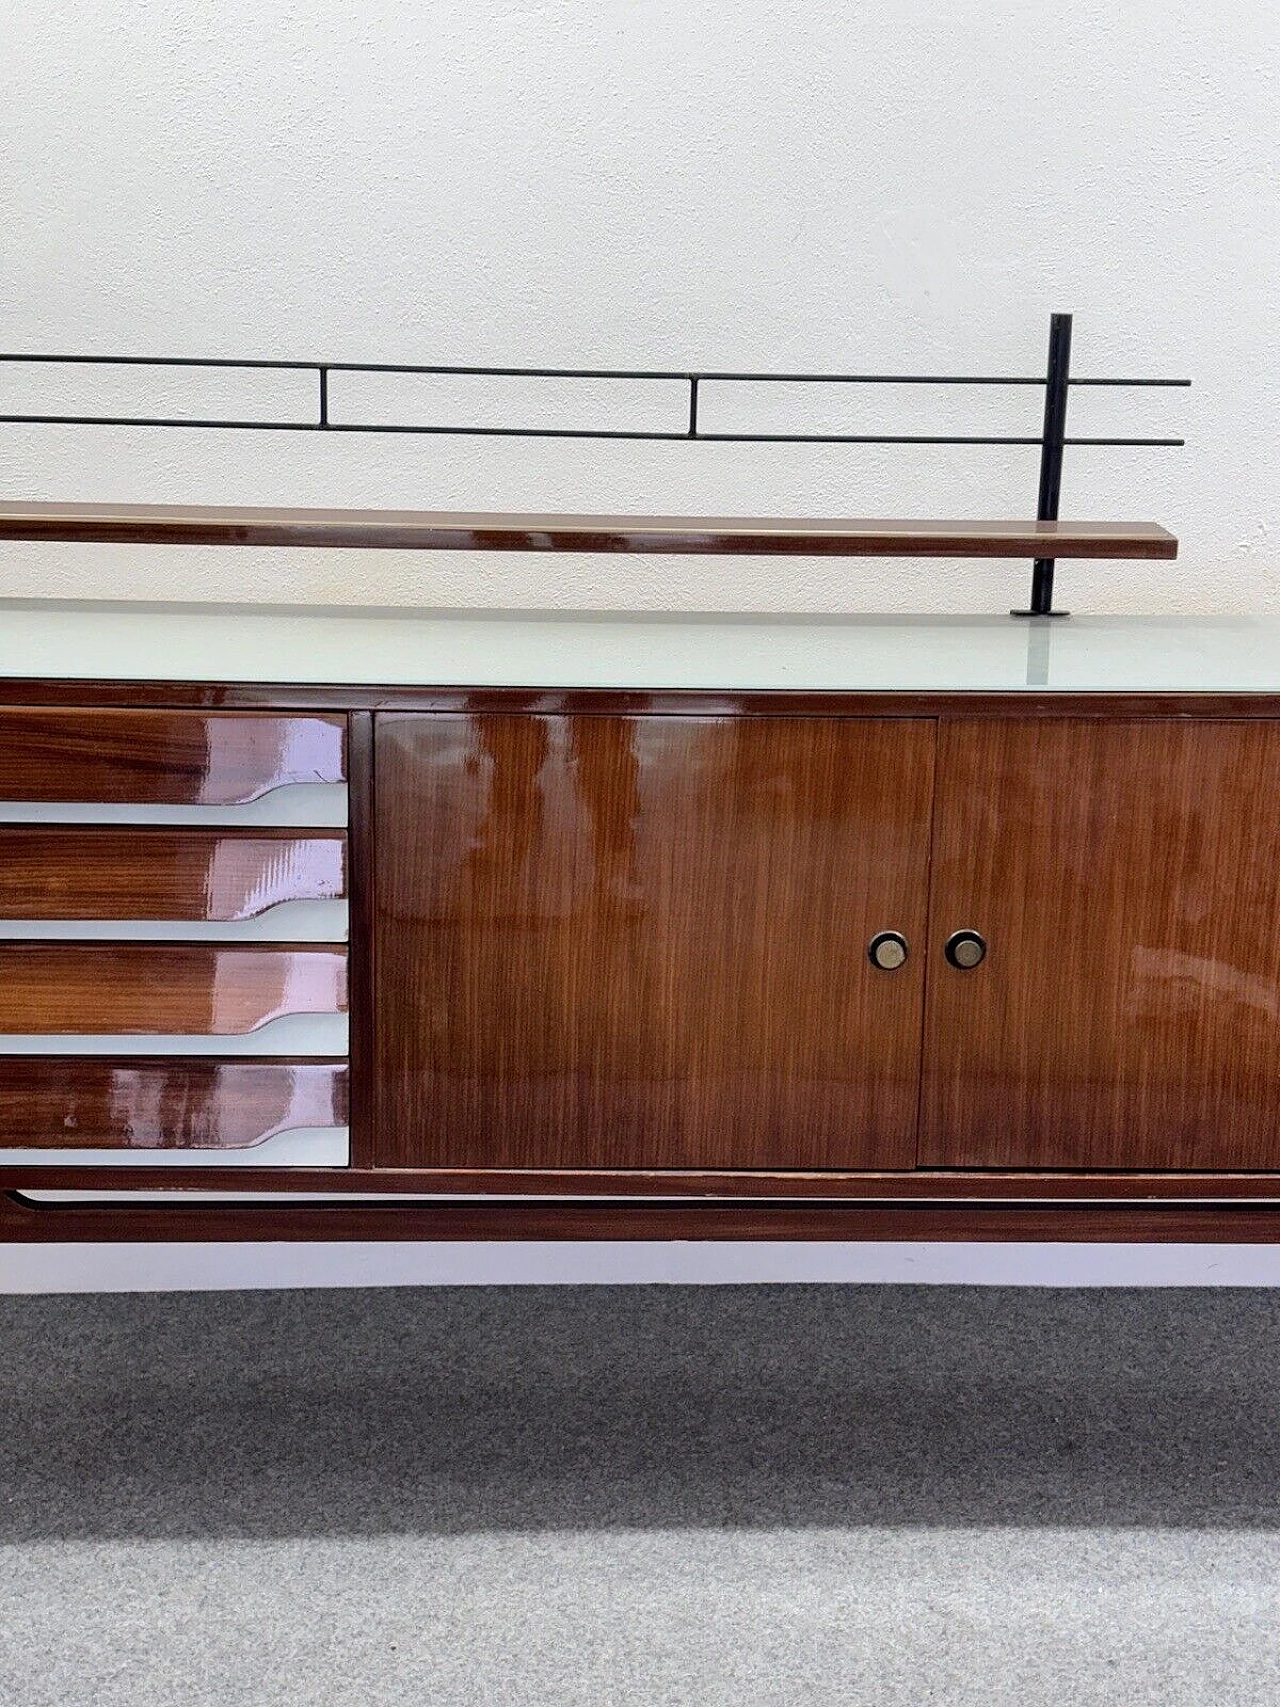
x=694 y=1496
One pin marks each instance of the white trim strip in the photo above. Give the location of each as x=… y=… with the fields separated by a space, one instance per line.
x=291 y=1034
x=300 y=1147
x=301 y=806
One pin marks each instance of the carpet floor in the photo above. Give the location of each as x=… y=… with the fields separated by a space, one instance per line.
x=675 y=1497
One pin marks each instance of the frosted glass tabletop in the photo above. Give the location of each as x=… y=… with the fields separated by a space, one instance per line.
x=356 y=646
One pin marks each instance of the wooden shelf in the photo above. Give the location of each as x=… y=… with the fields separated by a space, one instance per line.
x=427 y=530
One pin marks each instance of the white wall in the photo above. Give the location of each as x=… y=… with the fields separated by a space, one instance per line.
x=775 y=184
x=779 y=184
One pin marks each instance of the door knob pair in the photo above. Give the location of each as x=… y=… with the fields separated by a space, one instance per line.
x=964 y=950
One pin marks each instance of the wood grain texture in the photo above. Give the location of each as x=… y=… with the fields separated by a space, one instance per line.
x=642 y=942
x=426 y=530
x=361 y=939
x=197 y=988
x=99 y=1102
x=153 y=758
x=24 y=1222
x=1127 y=878
x=145 y=872
x=954 y=1187
x=331 y=698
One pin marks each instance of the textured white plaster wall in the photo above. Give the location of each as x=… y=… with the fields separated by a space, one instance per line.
x=787 y=185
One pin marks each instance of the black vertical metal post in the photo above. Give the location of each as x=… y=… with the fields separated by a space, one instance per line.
x=1052 y=442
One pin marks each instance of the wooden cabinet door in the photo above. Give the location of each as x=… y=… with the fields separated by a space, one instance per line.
x=1126 y=876
x=616 y=941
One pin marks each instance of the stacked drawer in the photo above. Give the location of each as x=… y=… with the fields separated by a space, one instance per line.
x=149 y=999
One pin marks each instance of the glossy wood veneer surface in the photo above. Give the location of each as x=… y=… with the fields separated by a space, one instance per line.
x=609 y=941
x=162 y=758
x=52 y=1102
x=1127 y=878
x=420 y=530
x=171 y=988
x=21 y=692
x=25 y=1222
x=144 y=872
x=954 y=1187
x=362 y=939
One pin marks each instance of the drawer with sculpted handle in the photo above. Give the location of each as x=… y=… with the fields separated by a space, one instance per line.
x=164 y=758
x=165 y=988
x=74 y=1102
x=137 y=874
x=83 y=871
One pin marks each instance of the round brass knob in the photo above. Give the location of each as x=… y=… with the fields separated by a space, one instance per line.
x=887 y=950
x=965 y=950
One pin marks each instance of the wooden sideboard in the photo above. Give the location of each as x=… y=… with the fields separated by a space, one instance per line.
x=637 y=927
x=610 y=955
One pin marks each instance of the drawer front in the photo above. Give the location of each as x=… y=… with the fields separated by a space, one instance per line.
x=161 y=758
x=133 y=872
x=156 y=992
x=145 y=1104
x=181 y=989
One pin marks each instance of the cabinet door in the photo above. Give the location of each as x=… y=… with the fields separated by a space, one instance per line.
x=609 y=941
x=1126 y=876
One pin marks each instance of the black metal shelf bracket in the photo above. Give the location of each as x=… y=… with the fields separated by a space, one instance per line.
x=1053 y=441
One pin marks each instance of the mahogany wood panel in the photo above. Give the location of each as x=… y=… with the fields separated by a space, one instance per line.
x=63 y=987
x=146 y=872
x=151 y=758
x=642 y=942
x=955 y=1187
x=24 y=1222
x=309 y=697
x=1127 y=878
x=424 y=530
x=361 y=939
x=160 y=1103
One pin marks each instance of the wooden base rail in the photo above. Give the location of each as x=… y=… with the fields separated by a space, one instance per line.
x=25 y=1222
x=958 y=1187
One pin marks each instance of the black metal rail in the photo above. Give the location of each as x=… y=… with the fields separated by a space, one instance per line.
x=1053 y=439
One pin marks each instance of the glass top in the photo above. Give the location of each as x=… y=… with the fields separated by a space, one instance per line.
x=357 y=646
